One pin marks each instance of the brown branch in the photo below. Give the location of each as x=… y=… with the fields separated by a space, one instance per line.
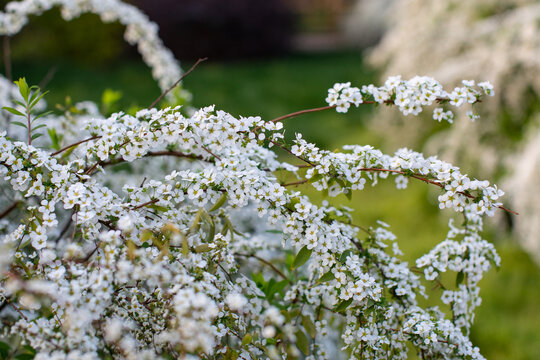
x=75 y=144
x=144 y=204
x=302 y=112
x=149 y=154
x=9 y=209
x=48 y=77
x=296 y=183
x=290 y=152
x=283 y=117
x=177 y=82
x=211 y=153
x=7 y=58
x=431 y=182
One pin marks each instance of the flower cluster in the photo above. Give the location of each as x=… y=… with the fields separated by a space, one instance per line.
x=410 y=96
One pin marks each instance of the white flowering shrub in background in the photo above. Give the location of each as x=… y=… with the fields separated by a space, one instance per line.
x=167 y=235
x=491 y=39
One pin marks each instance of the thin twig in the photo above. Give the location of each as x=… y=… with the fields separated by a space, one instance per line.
x=296 y=113
x=267 y=263
x=48 y=77
x=74 y=144
x=145 y=204
x=431 y=182
x=9 y=209
x=7 y=58
x=296 y=183
x=65 y=228
x=176 y=83
x=290 y=152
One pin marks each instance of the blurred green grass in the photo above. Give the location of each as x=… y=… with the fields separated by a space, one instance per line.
x=507 y=324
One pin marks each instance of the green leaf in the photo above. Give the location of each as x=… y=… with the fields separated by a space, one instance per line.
x=55 y=140
x=459 y=278
x=23 y=88
x=185 y=245
x=247 y=339
x=315 y=178
x=29 y=349
x=257 y=278
x=275 y=287
x=35 y=136
x=274 y=231
x=25 y=356
x=309 y=326
x=158 y=208
x=13 y=111
x=202 y=248
x=219 y=203
x=302 y=257
x=19 y=103
x=4 y=350
x=38 y=127
x=295 y=312
x=39 y=116
x=326 y=277
x=302 y=342
x=344 y=256
x=343 y=305
x=33 y=103
x=18 y=123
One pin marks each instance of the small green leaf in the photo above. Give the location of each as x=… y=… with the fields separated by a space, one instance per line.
x=344 y=256
x=185 y=245
x=19 y=103
x=55 y=140
x=25 y=356
x=258 y=278
x=326 y=277
x=459 y=278
x=33 y=103
x=18 y=123
x=4 y=350
x=275 y=287
x=23 y=88
x=39 y=116
x=302 y=342
x=247 y=339
x=202 y=248
x=315 y=178
x=219 y=203
x=13 y=111
x=309 y=326
x=29 y=349
x=343 y=305
x=35 y=136
x=38 y=127
x=302 y=257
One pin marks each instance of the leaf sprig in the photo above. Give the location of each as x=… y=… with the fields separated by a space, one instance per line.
x=31 y=97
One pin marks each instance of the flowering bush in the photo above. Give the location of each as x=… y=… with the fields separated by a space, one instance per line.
x=163 y=234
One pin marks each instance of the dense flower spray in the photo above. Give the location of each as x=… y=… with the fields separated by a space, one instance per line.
x=166 y=235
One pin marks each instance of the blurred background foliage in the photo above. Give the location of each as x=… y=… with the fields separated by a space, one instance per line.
x=270 y=58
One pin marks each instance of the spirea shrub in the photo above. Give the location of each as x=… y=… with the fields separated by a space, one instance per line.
x=167 y=234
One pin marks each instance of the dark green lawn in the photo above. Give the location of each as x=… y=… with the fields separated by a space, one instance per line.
x=507 y=323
